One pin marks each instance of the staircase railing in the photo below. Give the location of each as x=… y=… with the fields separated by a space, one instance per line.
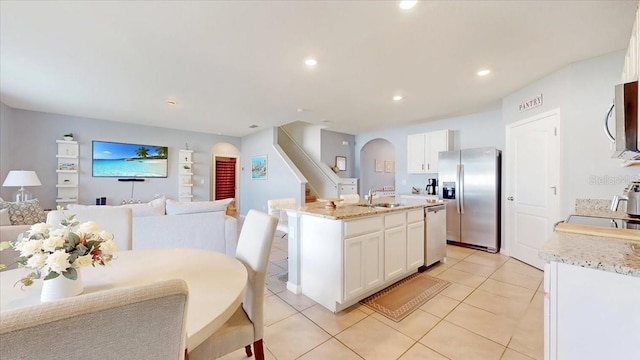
x=322 y=181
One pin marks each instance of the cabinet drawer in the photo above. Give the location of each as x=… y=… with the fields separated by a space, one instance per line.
x=348 y=189
x=415 y=215
x=393 y=220
x=363 y=226
x=349 y=181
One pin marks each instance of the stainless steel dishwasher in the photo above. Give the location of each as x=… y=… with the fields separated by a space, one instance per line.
x=435 y=234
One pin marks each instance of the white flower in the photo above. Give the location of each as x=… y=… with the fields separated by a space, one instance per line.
x=52 y=243
x=36 y=261
x=29 y=247
x=89 y=227
x=39 y=228
x=83 y=261
x=105 y=235
x=58 y=261
x=57 y=233
x=108 y=247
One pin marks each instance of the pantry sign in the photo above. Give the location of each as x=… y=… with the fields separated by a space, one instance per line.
x=530 y=103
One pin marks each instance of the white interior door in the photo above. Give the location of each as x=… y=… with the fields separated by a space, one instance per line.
x=532 y=192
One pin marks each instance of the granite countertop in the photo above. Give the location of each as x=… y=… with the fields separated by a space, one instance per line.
x=595 y=252
x=351 y=211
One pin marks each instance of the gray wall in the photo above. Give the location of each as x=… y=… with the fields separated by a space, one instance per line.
x=281 y=182
x=381 y=150
x=33 y=147
x=476 y=130
x=583 y=92
x=332 y=146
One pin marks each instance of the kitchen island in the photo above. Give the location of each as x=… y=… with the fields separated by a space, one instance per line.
x=339 y=256
x=592 y=286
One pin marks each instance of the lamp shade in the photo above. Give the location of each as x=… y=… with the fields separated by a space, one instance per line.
x=22 y=178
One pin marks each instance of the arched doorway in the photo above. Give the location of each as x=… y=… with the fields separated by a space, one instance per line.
x=225 y=174
x=377 y=165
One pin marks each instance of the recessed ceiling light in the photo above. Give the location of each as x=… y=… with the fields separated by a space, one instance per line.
x=253 y=126
x=311 y=62
x=171 y=102
x=407 y=4
x=484 y=72
x=397 y=98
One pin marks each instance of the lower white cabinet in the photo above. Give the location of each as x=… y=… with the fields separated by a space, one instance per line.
x=590 y=314
x=362 y=263
x=415 y=239
x=395 y=252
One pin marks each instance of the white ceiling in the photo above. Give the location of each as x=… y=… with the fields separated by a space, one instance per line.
x=230 y=64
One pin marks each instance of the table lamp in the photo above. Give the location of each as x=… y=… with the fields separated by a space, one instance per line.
x=22 y=178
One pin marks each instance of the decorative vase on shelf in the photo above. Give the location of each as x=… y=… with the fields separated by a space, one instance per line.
x=61 y=287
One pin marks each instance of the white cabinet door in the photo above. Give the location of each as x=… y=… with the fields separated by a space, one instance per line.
x=415 y=154
x=437 y=141
x=395 y=250
x=415 y=245
x=362 y=263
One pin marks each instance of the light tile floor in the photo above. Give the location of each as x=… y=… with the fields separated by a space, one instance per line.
x=493 y=309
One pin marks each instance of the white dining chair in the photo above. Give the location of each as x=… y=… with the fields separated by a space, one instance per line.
x=350 y=198
x=114 y=219
x=246 y=325
x=141 y=322
x=275 y=207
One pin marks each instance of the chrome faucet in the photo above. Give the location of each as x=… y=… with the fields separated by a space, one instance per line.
x=372 y=192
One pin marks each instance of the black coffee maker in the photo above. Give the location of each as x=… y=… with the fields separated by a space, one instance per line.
x=432 y=187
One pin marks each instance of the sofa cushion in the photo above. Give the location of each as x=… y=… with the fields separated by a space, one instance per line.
x=152 y=208
x=178 y=207
x=24 y=213
x=4 y=217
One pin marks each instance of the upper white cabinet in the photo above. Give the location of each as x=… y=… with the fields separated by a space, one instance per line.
x=67 y=171
x=631 y=70
x=423 y=149
x=186 y=175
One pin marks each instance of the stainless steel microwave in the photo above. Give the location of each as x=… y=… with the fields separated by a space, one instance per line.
x=625 y=109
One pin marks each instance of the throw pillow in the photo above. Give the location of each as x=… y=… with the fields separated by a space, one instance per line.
x=178 y=207
x=4 y=217
x=24 y=213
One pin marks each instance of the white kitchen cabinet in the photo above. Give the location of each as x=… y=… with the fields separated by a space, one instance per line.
x=415 y=239
x=423 y=149
x=348 y=186
x=185 y=186
x=631 y=69
x=590 y=314
x=362 y=263
x=395 y=246
x=67 y=172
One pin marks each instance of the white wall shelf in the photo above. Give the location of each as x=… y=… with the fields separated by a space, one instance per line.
x=67 y=171
x=185 y=186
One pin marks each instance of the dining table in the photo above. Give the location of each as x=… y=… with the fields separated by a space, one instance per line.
x=216 y=283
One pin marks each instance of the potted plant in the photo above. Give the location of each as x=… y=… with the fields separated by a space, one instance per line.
x=68 y=137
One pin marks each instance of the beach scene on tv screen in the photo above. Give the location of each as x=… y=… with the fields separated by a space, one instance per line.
x=129 y=160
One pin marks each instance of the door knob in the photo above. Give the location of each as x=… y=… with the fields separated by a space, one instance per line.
x=510 y=198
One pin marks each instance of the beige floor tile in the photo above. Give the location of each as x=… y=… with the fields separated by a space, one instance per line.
x=415 y=325
x=528 y=339
x=421 y=352
x=538 y=300
x=457 y=291
x=273 y=269
x=497 y=304
x=275 y=285
x=440 y=305
x=522 y=268
x=457 y=343
x=449 y=261
x=473 y=268
x=297 y=301
x=436 y=269
x=372 y=339
x=333 y=323
x=284 y=263
x=458 y=252
x=461 y=277
x=494 y=327
x=508 y=276
x=514 y=355
x=241 y=355
x=362 y=308
x=487 y=259
x=280 y=243
x=332 y=349
x=293 y=336
x=507 y=290
x=277 y=255
x=276 y=309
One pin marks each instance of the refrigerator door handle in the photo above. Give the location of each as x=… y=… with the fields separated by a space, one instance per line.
x=461 y=185
x=458 y=190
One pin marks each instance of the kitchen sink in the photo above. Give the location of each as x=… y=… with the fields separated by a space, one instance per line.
x=382 y=205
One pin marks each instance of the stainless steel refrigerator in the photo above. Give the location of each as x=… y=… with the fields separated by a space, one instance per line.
x=470 y=180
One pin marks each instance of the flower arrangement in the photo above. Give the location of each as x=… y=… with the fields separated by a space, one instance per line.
x=55 y=252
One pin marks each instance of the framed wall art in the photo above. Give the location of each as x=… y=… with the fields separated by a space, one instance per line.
x=379 y=165
x=341 y=163
x=388 y=166
x=259 y=167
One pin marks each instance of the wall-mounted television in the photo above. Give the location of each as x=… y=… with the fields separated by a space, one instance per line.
x=112 y=159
